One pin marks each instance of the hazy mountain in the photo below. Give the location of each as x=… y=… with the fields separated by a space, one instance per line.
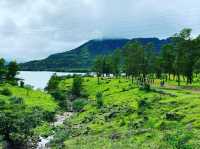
x=81 y=58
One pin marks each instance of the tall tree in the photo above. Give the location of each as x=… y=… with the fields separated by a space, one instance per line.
x=182 y=47
x=116 y=62
x=98 y=67
x=134 y=59
x=167 y=57
x=2 y=69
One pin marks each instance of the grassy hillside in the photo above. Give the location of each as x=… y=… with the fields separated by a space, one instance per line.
x=32 y=98
x=81 y=58
x=167 y=117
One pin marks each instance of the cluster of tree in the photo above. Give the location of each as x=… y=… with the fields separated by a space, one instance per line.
x=109 y=64
x=179 y=58
x=8 y=71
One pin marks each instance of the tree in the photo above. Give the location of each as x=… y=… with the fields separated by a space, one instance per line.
x=134 y=57
x=77 y=86
x=197 y=66
x=107 y=65
x=2 y=69
x=53 y=83
x=98 y=67
x=12 y=71
x=116 y=62
x=167 y=58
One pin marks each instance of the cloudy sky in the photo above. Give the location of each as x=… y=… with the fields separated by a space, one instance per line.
x=34 y=29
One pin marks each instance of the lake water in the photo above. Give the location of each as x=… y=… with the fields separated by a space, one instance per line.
x=39 y=79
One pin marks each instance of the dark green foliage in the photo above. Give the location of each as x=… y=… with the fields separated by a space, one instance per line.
x=12 y=71
x=61 y=134
x=21 y=84
x=77 y=86
x=2 y=70
x=8 y=72
x=99 y=99
x=17 y=122
x=179 y=139
x=145 y=87
x=6 y=92
x=16 y=100
x=79 y=104
x=53 y=83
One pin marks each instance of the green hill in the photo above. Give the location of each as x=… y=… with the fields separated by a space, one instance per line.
x=81 y=58
x=166 y=117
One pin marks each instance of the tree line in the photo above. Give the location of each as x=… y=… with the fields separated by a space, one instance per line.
x=180 y=58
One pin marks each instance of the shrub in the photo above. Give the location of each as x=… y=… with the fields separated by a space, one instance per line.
x=99 y=99
x=178 y=139
x=145 y=87
x=17 y=100
x=61 y=134
x=79 y=104
x=6 y=92
x=77 y=86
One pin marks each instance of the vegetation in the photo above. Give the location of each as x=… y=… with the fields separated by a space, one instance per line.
x=164 y=117
x=22 y=109
x=142 y=62
x=81 y=58
x=155 y=105
x=141 y=98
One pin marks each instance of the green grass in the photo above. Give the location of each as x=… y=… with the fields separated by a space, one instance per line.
x=32 y=98
x=133 y=118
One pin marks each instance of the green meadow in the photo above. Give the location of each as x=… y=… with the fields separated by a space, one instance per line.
x=32 y=98
x=130 y=117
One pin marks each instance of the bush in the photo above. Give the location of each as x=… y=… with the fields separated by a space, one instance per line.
x=99 y=99
x=6 y=92
x=79 y=104
x=178 y=139
x=77 y=86
x=145 y=87
x=17 y=100
x=61 y=134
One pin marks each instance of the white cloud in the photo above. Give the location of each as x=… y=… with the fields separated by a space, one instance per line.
x=34 y=29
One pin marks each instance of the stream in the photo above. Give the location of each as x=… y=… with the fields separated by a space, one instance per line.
x=44 y=142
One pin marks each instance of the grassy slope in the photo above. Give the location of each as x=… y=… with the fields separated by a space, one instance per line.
x=124 y=123
x=32 y=98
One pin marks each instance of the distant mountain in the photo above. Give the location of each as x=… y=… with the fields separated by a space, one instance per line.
x=81 y=58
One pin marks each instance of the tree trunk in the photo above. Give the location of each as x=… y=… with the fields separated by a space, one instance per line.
x=169 y=76
x=178 y=79
x=132 y=79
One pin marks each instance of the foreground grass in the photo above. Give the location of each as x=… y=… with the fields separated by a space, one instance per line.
x=133 y=118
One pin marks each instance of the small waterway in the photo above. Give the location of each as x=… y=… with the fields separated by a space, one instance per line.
x=44 y=142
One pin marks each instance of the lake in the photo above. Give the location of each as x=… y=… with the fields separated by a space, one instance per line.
x=39 y=79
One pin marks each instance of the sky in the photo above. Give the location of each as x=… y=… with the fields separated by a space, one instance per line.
x=34 y=29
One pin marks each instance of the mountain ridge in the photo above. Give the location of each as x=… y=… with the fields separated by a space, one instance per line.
x=81 y=58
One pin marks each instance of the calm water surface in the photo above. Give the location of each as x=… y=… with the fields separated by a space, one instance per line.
x=39 y=79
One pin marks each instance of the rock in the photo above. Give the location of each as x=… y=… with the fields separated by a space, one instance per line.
x=172 y=116
x=115 y=136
